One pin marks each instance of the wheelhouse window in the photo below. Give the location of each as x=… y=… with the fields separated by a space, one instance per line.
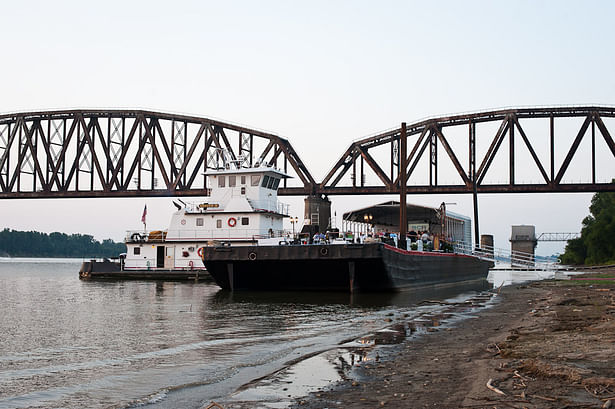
x=232 y=181
x=265 y=181
x=256 y=179
x=245 y=221
x=199 y=221
x=271 y=182
x=243 y=179
x=276 y=184
x=137 y=251
x=219 y=223
x=221 y=181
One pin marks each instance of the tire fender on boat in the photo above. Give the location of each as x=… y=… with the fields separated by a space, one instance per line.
x=324 y=251
x=252 y=256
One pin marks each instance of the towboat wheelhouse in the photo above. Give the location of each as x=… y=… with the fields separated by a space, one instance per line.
x=240 y=207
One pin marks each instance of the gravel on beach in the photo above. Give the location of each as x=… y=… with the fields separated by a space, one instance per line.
x=548 y=344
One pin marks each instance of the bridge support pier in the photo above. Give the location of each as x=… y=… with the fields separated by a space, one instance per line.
x=486 y=244
x=318 y=212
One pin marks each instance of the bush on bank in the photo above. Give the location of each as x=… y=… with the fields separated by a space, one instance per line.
x=596 y=244
x=15 y=243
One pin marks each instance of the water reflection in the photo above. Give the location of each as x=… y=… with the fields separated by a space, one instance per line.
x=407 y=298
x=69 y=343
x=503 y=277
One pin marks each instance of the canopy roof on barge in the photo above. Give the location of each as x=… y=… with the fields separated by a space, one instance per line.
x=387 y=214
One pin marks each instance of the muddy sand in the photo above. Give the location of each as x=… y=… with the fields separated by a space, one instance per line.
x=548 y=344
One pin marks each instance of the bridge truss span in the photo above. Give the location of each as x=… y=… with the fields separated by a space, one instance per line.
x=119 y=153
x=124 y=153
x=503 y=151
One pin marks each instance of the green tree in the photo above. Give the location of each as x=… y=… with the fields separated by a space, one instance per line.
x=596 y=244
x=35 y=244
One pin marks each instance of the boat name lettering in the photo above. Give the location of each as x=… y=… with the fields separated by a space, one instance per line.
x=209 y=205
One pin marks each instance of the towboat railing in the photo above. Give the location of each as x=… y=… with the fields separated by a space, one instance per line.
x=236 y=233
x=273 y=206
x=140 y=236
x=506 y=258
x=156 y=236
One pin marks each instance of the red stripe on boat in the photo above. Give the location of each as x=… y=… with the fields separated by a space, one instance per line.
x=425 y=253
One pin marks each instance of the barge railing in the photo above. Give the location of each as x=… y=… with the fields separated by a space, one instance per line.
x=515 y=260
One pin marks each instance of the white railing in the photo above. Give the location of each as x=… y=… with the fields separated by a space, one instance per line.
x=236 y=233
x=137 y=235
x=141 y=264
x=274 y=206
x=516 y=260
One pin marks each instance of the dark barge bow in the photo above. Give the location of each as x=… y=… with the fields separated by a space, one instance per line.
x=337 y=267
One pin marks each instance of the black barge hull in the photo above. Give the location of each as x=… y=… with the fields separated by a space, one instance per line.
x=351 y=267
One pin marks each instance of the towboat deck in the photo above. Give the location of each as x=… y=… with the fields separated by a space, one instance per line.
x=110 y=270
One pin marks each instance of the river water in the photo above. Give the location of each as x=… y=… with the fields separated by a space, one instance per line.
x=68 y=343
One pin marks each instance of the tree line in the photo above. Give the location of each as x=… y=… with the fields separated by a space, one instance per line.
x=596 y=244
x=15 y=243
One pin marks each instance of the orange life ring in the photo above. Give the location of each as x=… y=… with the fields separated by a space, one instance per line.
x=232 y=221
x=199 y=252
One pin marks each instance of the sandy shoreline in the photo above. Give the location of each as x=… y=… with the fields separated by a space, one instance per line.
x=547 y=344
x=542 y=345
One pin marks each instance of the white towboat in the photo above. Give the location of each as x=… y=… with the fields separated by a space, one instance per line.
x=241 y=207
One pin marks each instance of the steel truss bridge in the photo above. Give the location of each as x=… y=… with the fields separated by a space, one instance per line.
x=129 y=153
x=557 y=236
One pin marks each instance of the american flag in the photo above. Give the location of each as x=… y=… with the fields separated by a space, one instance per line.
x=144 y=214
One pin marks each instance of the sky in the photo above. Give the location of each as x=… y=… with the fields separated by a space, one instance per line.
x=321 y=74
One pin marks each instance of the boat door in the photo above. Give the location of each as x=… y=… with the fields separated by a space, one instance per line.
x=160 y=257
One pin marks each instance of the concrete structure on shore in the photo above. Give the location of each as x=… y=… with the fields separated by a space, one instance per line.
x=318 y=212
x=523 y=243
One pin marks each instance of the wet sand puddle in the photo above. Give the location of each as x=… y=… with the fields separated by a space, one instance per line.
x=309 y=374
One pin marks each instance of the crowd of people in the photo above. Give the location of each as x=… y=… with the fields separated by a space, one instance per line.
x=415 y=240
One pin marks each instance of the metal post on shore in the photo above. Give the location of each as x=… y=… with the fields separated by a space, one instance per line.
x=476 y=230
x=403 y=218
x=472 y=174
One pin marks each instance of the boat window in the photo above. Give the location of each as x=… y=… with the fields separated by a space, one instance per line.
x=276 y=184
x=232 y=181
x=221 y=180
x=243 y=190
x=270 y=185
x=137 y=251
x=170 y=251
x=199 y=221
x=245 y=221
x=219 y=223
x=243 y=179
x=256 y=180
x=265 y=181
